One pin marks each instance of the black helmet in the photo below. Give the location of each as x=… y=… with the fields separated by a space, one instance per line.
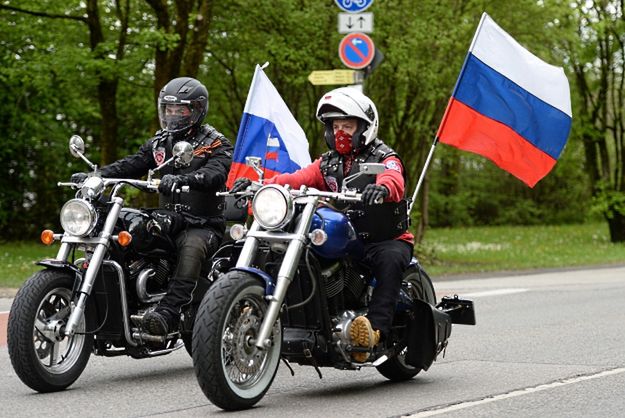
x=182 y=106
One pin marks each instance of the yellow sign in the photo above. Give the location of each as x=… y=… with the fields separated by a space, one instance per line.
x=327 y=77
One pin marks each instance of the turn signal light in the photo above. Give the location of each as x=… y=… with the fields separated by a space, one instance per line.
x=47 y=237
x=237 y=232
x=124 y=238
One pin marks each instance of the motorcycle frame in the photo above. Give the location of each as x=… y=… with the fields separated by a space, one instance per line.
x=101 y=248
x=297 y=242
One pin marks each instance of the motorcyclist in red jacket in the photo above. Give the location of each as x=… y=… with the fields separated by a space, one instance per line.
x=351 y=126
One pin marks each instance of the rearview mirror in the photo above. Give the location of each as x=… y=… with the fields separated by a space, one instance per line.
x=77 y=149
x=365 y=169
x=184 y=151
x=256 y=164
x=372 y=168
x=76 y=146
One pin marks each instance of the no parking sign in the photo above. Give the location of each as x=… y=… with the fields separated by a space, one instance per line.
x=356 y=50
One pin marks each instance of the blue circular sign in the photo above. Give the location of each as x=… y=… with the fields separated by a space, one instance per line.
x=356 y=50
x=353 y=6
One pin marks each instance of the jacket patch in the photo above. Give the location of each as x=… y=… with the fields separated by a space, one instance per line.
x=332 y=184
x=393 y=165
x=159 y=155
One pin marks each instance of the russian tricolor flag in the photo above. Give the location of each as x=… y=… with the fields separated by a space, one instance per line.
x=509 y=106
x=268 y=130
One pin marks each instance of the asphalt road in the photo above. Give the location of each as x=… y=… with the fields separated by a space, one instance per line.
x=549 y=344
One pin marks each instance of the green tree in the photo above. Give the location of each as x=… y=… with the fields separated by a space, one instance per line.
x=597 y=58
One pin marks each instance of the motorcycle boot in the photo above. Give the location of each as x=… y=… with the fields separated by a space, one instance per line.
x=160 y=322
x=363 y=335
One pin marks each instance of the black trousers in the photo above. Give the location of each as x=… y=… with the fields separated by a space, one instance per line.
x=195 y=248
x=387 y=260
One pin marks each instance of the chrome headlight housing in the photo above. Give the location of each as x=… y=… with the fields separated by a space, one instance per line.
x=272 y=207
x=78 y=217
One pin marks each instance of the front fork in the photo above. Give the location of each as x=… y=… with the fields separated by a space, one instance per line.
x=287 y=270
x=95 y=263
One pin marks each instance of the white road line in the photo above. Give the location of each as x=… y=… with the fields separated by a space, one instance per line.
x=496 y=292
x=7 y=312
x=518 y=392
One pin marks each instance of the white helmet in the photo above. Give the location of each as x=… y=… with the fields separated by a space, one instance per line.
x=347 y=102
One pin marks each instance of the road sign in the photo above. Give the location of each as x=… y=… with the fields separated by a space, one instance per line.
x=353 y=6
x=355 y=22
x=329 y=77
x=356 y=50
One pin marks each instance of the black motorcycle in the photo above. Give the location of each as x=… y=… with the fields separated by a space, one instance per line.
x=289 y=288
x=113 y=266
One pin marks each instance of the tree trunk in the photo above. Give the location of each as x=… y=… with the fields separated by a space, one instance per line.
x=616 y=224
x=107 y=96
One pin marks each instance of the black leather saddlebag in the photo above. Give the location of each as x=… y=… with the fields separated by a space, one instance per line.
x=427 y=335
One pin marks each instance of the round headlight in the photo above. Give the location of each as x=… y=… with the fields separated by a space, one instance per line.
x=78 y=217
x=272 y=207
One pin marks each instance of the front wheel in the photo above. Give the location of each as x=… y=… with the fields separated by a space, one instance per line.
x=42 y=358
x=419 y=286
x=232 y=372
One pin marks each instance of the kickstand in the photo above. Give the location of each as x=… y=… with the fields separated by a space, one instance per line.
x=310 y=357
x=289 y=366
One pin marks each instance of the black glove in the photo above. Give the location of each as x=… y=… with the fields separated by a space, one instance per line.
x=374 y=194
x=240 y=184
x=168 y=182
x=78 y=177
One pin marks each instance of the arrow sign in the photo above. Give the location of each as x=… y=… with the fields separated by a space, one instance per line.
x=356 y=50
x=355 y=22
x=329 y=77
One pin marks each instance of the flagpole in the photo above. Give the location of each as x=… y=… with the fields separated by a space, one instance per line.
x=453 y=93
x=422 y=176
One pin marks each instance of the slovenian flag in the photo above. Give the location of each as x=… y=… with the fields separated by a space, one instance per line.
x=509 y=106
x=268 y=130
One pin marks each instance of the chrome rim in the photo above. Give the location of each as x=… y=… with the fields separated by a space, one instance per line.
x=56 y=353
x=248 y=369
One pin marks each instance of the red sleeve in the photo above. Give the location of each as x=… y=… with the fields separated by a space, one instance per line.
x=392 y=178
x=308 y=176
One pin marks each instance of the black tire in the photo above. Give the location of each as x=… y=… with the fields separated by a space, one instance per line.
x=229 y=316
x=187 y=339
x=44 y=297
x=421 y=287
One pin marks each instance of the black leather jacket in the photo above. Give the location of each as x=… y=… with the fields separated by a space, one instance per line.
x=206 y=174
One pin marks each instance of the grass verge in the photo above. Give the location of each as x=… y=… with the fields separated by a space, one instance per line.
x=446 y=251
x=507 y=248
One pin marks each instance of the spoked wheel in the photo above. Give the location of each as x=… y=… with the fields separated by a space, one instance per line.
x=232 y=372
x=419 y=286
x=43 y=359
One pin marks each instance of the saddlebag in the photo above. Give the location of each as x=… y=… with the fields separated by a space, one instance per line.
x=428 y=332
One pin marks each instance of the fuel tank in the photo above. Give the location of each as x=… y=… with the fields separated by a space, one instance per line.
x=342 y=239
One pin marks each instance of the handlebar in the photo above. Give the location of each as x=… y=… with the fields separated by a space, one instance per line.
x=140 y=184
x=347 y=196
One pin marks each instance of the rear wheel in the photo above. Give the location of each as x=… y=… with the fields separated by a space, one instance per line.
x=232 y=372
x=42 y=358
x=419 y=286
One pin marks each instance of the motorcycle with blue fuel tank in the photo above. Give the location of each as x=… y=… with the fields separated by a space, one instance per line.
x=289 y=286
x=113 y=265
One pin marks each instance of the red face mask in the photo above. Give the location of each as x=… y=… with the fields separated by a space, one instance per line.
x=343 y=142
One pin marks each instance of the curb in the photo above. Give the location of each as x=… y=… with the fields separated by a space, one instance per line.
x=7 y=292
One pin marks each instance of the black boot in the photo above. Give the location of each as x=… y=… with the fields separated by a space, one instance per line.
x=160 y=322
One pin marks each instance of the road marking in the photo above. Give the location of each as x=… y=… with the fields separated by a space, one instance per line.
x=518 y=392
x=496 y=292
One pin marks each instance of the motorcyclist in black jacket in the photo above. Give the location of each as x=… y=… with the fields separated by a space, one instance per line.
x=198 y=214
